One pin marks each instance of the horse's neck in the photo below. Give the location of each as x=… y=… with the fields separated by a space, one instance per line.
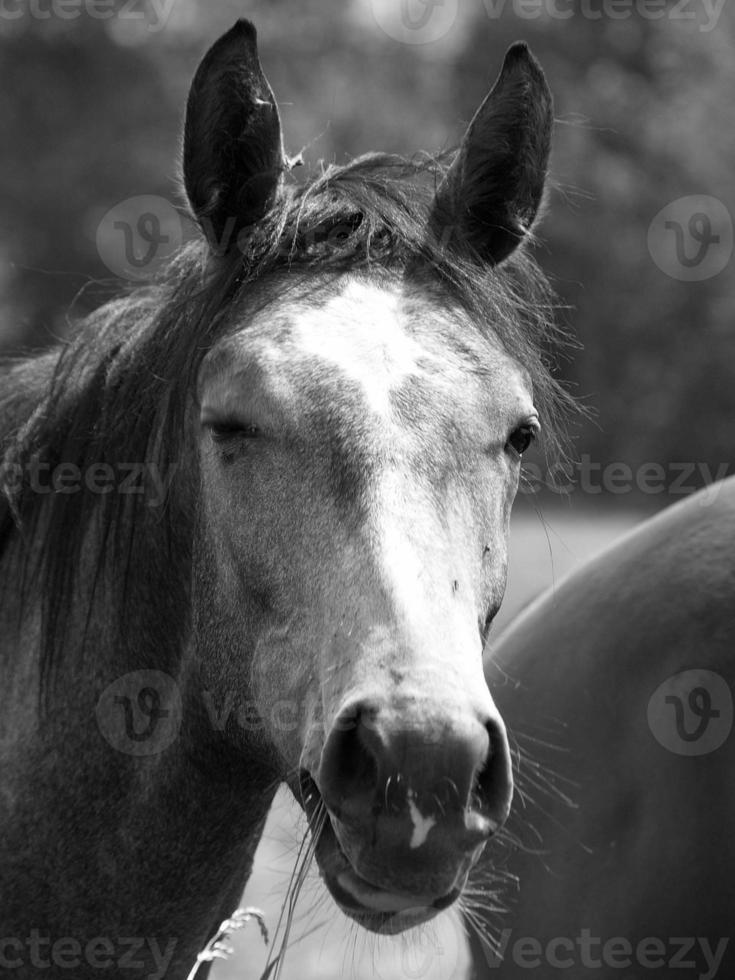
x=103 y=833
x=100 y=837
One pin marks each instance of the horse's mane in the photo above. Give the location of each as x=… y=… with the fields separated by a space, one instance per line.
x=119 y=390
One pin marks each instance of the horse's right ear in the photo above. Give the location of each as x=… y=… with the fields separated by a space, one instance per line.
x=233 y=148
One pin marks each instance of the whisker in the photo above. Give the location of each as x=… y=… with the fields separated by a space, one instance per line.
x=306 y=851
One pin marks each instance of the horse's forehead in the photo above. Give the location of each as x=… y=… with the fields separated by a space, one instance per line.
x=367 y=337
x=374 y=338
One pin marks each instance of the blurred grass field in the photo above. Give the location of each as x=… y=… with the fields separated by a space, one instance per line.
x=324 y=945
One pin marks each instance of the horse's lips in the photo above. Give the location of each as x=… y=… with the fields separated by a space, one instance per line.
x=375 y=908
x=376 y=899
x=353 y=893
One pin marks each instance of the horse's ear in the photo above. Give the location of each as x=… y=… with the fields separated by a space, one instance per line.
x=492 y=191
x=233 y=148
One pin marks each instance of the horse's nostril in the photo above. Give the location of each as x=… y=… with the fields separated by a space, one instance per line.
x=460 y=783
x=493 y=787
x=349 y=770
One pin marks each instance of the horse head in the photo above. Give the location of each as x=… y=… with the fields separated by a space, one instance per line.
x=361 y=426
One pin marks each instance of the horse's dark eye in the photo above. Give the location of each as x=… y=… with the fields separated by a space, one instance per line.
x=521 y=438
x=225 y=431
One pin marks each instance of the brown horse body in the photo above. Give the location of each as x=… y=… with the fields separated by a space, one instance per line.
x=619 y=681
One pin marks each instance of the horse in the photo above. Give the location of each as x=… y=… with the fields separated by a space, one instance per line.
x=616 y=686
x=254 y=530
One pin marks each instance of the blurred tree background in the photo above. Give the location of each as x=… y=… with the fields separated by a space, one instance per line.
x=91 y=104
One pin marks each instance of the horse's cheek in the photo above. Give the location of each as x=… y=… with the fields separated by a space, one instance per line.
x=286 y=692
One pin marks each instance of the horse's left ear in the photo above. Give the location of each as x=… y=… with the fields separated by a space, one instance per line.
x=493 y=189
x=233 y=148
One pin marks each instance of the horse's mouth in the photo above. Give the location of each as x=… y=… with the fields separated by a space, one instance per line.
x=373 y=907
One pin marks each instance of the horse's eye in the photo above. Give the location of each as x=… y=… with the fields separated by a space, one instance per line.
x=521 y=438
x=225 y=431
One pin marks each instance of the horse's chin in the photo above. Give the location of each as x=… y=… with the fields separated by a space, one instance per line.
x=374 y=908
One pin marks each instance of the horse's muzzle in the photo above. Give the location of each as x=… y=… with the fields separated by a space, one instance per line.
x=412 y=794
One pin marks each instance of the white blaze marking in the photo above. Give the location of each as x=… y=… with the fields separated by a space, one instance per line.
x=361 y=334
x=421 y=824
